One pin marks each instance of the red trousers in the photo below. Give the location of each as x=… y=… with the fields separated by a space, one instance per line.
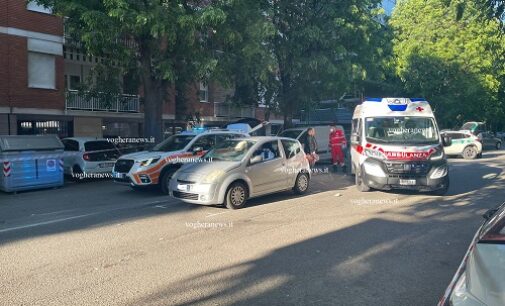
x=337 y=154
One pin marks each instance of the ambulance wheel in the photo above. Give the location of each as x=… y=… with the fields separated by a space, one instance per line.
x=360 y=185
x=470 y=152
x=165 y=177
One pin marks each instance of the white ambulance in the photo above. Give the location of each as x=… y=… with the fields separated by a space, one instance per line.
x=396 y=144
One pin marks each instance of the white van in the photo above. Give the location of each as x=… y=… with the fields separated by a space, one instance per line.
x=396 y=144
x=322 y=138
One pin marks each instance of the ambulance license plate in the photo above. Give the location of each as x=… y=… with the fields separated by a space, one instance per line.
x=407 y=182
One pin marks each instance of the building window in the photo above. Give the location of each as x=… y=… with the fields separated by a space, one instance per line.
x=33 y=6
x=41 y=70
x=75 y=82
x=44 y=127
x=204 y=92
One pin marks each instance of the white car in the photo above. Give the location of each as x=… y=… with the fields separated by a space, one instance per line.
x=464 y=144
x=88 y=157
x=156 y=166
x=240 y=169
x=480 y=278
x=322 y=138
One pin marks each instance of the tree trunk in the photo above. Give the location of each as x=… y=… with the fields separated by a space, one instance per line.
x=153 y=110
x=154 y=93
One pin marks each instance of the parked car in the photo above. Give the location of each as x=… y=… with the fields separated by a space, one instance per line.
x=322 y=138
x=88 y=155
x=490 y=141
x=474 y=127
x=501 y=135
x=480 y=278
x=156 y=166
x=239 y=169
x=463 y=144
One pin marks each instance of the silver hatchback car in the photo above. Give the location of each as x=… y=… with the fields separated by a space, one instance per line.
x=240 y=169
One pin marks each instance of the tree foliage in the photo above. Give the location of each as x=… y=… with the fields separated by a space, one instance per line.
x=451 y=55
x=289 y=53
x=162 y=42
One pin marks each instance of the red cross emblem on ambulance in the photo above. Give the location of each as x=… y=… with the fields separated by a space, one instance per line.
x=419 y=109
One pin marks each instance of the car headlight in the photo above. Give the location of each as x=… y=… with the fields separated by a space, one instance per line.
x=374 y=169
x=213 y=176
x=438 y=155
x=150 y=161
x=374 y=154
x=203 y=188
x=439 y=172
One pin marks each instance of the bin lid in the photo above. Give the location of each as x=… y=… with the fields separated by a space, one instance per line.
x=29 y=143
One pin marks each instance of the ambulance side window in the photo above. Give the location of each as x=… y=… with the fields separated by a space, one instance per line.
x=356 y=130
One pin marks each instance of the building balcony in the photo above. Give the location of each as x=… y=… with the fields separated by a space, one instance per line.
x=233 y=111
x=101 y=102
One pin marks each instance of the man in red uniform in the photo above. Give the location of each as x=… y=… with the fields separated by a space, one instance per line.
x=338 y=145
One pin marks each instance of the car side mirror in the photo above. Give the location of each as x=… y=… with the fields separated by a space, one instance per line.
x=446 y=140
x=256 y=159
x=197 y=150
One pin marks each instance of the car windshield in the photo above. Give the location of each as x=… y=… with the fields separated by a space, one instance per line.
x=291 y=133
x=229 y=150
x=401 y=130
x=173 y=143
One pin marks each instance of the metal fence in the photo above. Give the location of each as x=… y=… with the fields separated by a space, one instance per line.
x=102 y=102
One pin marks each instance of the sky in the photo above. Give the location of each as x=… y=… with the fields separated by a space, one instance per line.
x=388 y=5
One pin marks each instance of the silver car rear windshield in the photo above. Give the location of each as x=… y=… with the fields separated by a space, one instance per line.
x=401 y=130
x=230 y=150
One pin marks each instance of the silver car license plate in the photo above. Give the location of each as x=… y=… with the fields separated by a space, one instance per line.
x=184 y=187
x=407 y=182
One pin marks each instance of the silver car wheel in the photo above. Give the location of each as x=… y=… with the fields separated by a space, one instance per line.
x=237 y=195
x=302 y=183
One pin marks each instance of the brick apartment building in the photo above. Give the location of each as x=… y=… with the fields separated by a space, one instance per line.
x=40 y=71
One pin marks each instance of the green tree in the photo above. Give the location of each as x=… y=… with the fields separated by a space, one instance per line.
x=245 y=61
x=451 y=55
x=162 y=42
x=319 y=48
x=290 y=53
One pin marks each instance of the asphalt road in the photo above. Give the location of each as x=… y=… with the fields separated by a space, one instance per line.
x=97 y=243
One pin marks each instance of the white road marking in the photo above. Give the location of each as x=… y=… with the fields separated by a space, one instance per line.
x=44 y=223
x=52 y=213
x=212 y=215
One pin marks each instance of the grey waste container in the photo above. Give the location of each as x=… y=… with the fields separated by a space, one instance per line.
x=30 y=162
